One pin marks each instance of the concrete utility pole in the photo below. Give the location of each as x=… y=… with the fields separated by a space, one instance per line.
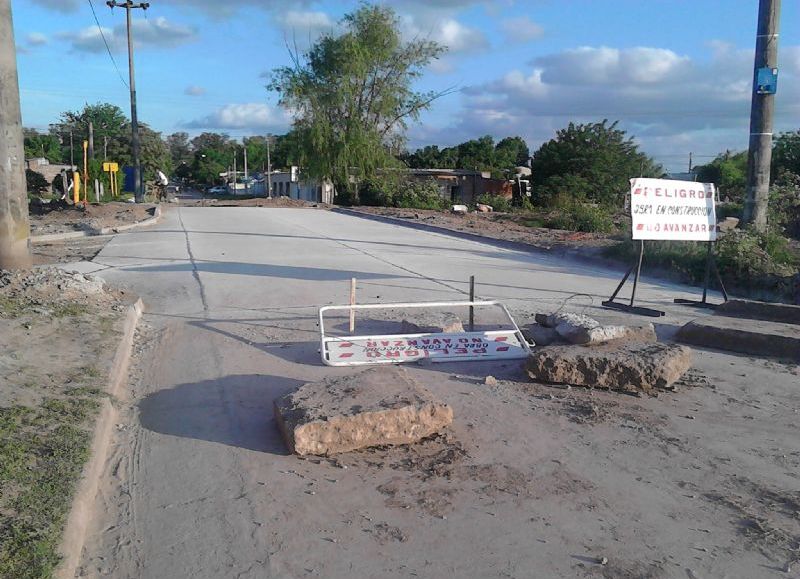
x=137 y=166
x=759 y=155
x=14 y=224
x=246 y=175
x=269 y=170
x=91 y=140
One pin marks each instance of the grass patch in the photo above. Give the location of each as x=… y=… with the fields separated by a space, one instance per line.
x=750 y=263
x=11 y=308
x=42 y=452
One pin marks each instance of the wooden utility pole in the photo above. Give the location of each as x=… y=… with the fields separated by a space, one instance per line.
x=14 y=224
x=138 y=190
x=759 y=155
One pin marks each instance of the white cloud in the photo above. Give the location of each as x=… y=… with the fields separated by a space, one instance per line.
x=36 y=39
x=194 y=90
x=151 y=32
x=248 y=116
x=449 y=32
x=522 y=29
x=671 y=103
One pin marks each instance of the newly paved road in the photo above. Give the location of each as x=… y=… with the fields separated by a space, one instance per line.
x=231 y=298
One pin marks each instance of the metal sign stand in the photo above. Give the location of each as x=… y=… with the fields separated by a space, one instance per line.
x=711 y=263
x=610 y=303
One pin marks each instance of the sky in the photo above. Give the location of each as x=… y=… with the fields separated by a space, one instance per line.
x=676 y=74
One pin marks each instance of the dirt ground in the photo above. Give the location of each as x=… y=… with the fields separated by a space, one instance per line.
x=503 y=226
x=58 y=336
x=61 y=218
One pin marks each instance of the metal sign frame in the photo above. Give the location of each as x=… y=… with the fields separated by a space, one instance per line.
x=507 y=344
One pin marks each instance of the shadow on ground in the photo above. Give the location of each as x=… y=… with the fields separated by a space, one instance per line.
x=234 y=411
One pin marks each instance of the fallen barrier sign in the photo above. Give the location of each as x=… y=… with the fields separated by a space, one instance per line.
x=673 y=210
x=437 y=347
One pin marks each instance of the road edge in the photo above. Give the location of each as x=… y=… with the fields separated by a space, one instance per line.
x=74 y=536
x=594 y=258
x=95 y=232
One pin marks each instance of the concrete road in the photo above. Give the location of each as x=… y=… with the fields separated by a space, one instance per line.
x=199 y=484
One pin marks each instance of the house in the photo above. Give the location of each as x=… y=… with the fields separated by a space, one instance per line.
x=464 y=185
x=289 y=184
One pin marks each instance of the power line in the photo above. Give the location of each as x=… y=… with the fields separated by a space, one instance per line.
x=108 y=49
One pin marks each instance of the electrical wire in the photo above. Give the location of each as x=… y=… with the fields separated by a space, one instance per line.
x=108 y=49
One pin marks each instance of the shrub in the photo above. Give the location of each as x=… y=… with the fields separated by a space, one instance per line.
x=582 y=217
x=36 y=182
x=497 y=202
x=415 y=194
x=784 y=204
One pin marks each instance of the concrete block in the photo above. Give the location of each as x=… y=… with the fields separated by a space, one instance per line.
x=766 y=311
x=379 y=406
x=756 y=338
x=616 y=366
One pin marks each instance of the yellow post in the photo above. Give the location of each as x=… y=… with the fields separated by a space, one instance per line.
x=76 y=187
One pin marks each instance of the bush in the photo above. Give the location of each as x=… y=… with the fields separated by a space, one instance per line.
x=420 y=195
x=497 y=202
x=36 y=183
x=784 y=204
x=748 y=261
x=582 y=217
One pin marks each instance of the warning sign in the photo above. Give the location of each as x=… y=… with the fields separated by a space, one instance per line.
x=674 y=210
x=438 y=347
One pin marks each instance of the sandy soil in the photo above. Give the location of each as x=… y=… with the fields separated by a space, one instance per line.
x=503 y=226
x=61 y=218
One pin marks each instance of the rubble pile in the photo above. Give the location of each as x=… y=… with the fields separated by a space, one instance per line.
x=50 y=286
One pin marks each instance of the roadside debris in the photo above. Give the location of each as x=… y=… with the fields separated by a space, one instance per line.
x=381 y=406
x=581 y=329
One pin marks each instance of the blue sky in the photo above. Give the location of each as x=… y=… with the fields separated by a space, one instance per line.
x=675 y=73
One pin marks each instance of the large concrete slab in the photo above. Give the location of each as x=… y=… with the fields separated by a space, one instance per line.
x=377 y=407
x=753 y=337
x=627 y=366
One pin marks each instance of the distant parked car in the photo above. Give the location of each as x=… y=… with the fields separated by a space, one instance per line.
x=219 y=189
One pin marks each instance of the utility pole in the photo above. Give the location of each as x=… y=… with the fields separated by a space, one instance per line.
x=234 y=168
x=269 y=169
x=759 y=155
x=15 y=227
x=137 y=166
x=245 y=166
x=91 y=140
x=71 y=151
x=690 y=161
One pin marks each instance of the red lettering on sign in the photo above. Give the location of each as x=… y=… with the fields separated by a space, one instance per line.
x=346 y=355
x=346 y=345
x=412 y=353
x=503 y=348
x=462 y=351
x=480 y=350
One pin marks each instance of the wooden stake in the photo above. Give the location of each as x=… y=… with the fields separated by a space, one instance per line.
x=472 y=299
x=352 y=303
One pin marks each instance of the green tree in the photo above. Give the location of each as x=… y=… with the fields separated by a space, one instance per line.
x=728 y=172
x=511 y=152
x=213 y=153
x=41 y=145
x=112 y=132
x=591 y=162
x=786 y=154
x=154 y=153
x=352 y=95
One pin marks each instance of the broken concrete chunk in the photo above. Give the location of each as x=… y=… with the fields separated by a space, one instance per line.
x=621 y=366
x=435 y=323
x=602 y=334
x=383 y=405
x=483 y=208
x=460 y=209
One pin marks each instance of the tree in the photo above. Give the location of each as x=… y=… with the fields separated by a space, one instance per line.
x=180 y=151
x=512 y=152
x=728 y=172
x=154 y=153
x=786 y=154
x=481 y=154
x=111 y=126
x=352 y=95
x=41 y=145
x=591 y=162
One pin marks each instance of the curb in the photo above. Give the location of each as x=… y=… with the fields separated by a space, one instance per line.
x=95 y=232
x=79 y=516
